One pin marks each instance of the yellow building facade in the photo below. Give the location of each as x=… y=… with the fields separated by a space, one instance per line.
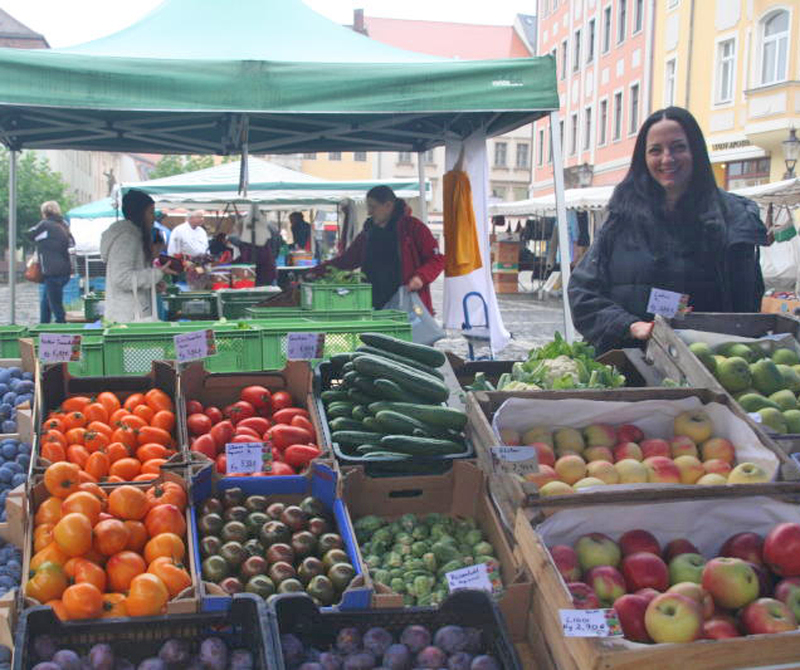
x=735 y=64
x=339 y=165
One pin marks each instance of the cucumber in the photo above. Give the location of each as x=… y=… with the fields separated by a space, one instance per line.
x=358 y=397
x=345 y=423
x=371 y=423
x=381 y=455
x=353 y=438
x=360 y=412
x=349 y=377
x=394 y=423
x=410 y=362
x=340 y=409
x=365 y=385
x=347 y=367
x=367 y=448
x=379 y=406
x=443 y=417
x=414 y=381
x=333 y=395
x=420 y=446
x=338 y=360
x=386 y=388
x=417 y=352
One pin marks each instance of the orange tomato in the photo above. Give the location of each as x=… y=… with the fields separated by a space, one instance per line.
x=48 y=582
x=128 y=502
x=95 y=557
x=114 y=606
x=164 y=419
x=167 y=492
x=156 y=435
x=99 y=427
x=117 y=450
x=172 y=573
x=126 y=468
x=74 y=420
x=116 y=417
x=113 y=479
x=95 y=412
x=158 y=400
x=148 y=596
x=111 y=536
x=164 y=545
x=54 y=423
x=52 y=553
x=133 y=422
x=59 y=609
x=153 y=466
x=83 y=601
x=110 y=401
x=98 y=465
x=75 y=403
x=75 y=436
x=122 y=567
x=81 y=570
x=138 y=536
x=146 y=477
x=49 y=511
x=61 y=479
x=42 y=536
x=56 y=436
x=73 y=534
x=86 y=478
x=144 y=413
x=165 y=518
x=132 y=401
x=84 y=503
x=97 y=492
x=53 y=451
x=152 y=450
x=77 y=453
x=94 y=441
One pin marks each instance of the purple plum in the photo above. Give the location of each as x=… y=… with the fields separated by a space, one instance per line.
x=362 y=660
x=152 y=664
x=44 y=647
x=214 y=654
x=46 y=665
x=312 y=665
x=451 y=639
x=461 y=660
x=431 y=657
x=330 y=661
x=474 y=640
x=241 y=659
x=377 y=641
x=348 y=641
x=484 y=663
x=416 y=638
x=293 y=651
x=101 y=657
x=174 y=652
x=397 y=657
x=66 y=659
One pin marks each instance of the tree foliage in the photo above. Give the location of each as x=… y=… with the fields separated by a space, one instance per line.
x=172 y=164
x=36 y=183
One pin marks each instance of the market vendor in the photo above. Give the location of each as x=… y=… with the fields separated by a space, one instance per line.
x=392 y=250
x=301 y=232
x=669 y=229
x=190 y=238
x=261 y=256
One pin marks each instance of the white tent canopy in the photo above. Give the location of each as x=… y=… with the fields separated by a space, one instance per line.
x=785 y=192
x=580 y=199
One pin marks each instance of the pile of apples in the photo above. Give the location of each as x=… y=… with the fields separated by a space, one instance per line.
x=676 y=595
x=601 y=454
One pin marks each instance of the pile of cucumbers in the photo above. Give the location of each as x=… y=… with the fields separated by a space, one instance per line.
x=387 y=404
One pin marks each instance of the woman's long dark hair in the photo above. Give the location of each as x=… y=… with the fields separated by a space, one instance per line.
x=638 y=196
x=134 y=204
x=384 y=194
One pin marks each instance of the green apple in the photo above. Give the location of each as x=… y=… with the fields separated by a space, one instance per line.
x=731 y=582
x=595 y=549
x=686 y=568
x=672 y=617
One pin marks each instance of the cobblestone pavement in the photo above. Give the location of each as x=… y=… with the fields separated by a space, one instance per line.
x=532 y=322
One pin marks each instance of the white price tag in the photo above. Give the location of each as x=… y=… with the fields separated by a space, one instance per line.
x=472 y=577
x=667 y=303
x=59 y=348
x=304 y=346
x=246 y=458
x=195 y=346
x=590 y=623
x=515 y=460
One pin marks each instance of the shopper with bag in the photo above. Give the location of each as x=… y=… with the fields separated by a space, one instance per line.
x=53 y=240
x=131 y=273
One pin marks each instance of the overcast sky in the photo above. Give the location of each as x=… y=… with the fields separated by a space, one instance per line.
x=76 y=21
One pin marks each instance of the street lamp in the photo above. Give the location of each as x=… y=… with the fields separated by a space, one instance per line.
x=585 y=172
x=791 y=152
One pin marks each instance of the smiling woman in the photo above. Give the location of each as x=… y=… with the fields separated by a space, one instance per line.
x=670 y=232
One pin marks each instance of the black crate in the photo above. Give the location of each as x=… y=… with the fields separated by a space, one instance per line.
x=248 y=624
x=296 y=614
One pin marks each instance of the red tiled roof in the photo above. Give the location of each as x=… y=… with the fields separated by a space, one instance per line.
x=450 y=40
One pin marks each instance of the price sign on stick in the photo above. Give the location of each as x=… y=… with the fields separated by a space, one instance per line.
x=59 y=348
x=304 y=346
x=247 y=458
x=195 y=346
x=590 y=623
x=515 y=460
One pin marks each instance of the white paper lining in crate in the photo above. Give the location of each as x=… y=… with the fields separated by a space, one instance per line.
x=769 y=342
x=654 y=417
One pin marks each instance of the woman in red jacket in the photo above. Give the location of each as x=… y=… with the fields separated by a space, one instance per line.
x=394 y=249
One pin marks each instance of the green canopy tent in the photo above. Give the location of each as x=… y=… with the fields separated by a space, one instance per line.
x=258 y=76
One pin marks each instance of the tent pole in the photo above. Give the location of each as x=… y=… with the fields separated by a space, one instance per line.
x=561 y=218
x=12 y=234
x=423 y=203
x=86 y=286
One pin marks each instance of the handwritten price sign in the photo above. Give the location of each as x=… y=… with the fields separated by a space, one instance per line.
x=245 y=458
x=590 y=623
x=195 y=346
x=472 y=577
x=667 y=303
x=304 y=346
x=59 y=348
x=515 y=460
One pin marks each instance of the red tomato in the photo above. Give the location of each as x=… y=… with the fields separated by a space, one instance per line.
x=286 y=415
x=285 y=436
x=249 y=432
x=205 y=445
x=302 y=422
x=244 y=437
x=222 y=433
x=222 y=463
x=214 y=413
x=194 y=407
x=256 y=423
x=238 y=411
x=258 y=396
x=300 y=455
x=266 y=412
x=280 y=469
x=281 y=400
x=198 y=424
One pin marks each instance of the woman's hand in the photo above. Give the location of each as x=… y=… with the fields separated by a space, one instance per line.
x=414 y=284
x=641 y=330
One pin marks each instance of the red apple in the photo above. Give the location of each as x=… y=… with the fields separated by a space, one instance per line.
x=696 y=593
x=782 y=550
x=544 y=453
x=566 y=561
x=717 y=628
x=607 y=583
x=630 y=609
x=682 y=446
x=767 y=615
x=583 y=598
x=639 y=540
x=645 y=570
x=647 y=593
x=662 y=470
x=764 y=580
x=678 y=547
x=731 y=582
x=629 y=433
x=627 y=450
x=746 y=546
x=786 y=587
x=655 y=447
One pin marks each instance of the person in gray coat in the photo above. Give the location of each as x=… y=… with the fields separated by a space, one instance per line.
x=53 y=240
x=669 y=227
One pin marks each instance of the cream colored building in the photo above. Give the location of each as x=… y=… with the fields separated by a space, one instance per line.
x=735 y=64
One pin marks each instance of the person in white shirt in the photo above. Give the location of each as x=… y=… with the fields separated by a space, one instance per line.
x=189 y=238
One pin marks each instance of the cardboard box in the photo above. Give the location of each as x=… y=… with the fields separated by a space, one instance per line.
x=505 y=251
x=780 y=306
x=505 y=282
x=322 y=483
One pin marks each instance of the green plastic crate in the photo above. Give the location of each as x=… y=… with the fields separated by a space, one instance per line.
x=132 y=350
x=339 y=337
x=94 y=306
x=9 y=340
x=91 y=363
x=192 y=305
x=271 y=313
x=233 y=304
x=335 y=297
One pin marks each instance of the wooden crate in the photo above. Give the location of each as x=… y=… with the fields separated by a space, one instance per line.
x=551 y=595
x=779 y=306
x=505 y=282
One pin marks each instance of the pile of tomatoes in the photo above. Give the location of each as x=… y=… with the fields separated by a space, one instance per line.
x=110 y=439
x=114 y=554
x=258 y=416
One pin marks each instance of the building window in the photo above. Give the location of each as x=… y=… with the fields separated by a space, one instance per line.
x=638 y=15
x=672 y=4
x=403 y=156
x=360 y=156
x=335 y=156
x=573 y=136
x=523 y=155
x=633 y=124
x=428 y=157
x=520 y=193
x=590 y=37
x=500 y=151
x=310 y=157
x=617 y=116
x=564 y=59
x=576 y=54
x=753 y=172
x=622 y=20
x=602 y=122
x=550 y=145
x=561 y=135
x=499 y=192
x=774 y=46
x=669 y=83
x=726 y=70
x=540 y=148
x=587 y=129
x=606 y=29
